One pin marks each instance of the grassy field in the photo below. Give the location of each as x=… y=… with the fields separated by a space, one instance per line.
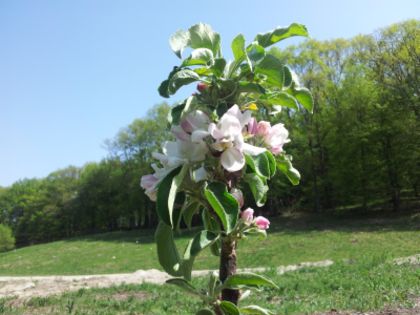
x=361 y=285
x=291 y=240
x=363 y=277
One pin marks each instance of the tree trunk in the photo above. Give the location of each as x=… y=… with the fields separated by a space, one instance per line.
x=228 y=268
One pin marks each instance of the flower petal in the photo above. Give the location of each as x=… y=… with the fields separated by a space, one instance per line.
x=232 y=160
x=251 y=149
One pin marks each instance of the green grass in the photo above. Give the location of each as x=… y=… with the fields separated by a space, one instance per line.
x=363 y=285
x=291 y=240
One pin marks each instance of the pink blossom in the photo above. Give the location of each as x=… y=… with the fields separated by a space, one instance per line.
x=263 y=128
x=196 y=120
x=262 y=223
x=229 y=139
x=274 y=136
x=277 y=137
x=248 y=215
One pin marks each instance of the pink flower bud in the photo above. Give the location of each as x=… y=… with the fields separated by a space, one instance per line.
x=262 y=223
x=252 y=126
x=247 y=215
x=263 y=128
x=237 y=194
x=202 y=86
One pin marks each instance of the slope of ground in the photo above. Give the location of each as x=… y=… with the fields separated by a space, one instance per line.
x=291 y=240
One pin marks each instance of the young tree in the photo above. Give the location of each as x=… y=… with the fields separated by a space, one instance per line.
x=220 y=149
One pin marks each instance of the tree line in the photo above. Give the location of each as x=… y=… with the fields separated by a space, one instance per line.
x=359 y=150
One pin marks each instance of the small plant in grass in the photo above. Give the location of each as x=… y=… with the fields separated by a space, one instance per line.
x=224 y=145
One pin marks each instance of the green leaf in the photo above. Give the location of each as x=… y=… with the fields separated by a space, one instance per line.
x=204 y=311
x=249 y=87
x=258 y=188
x=183 y=284
x=219 y=66
x=255 y=53
x=272 y=68
x=203 y=36
x=282 y=99
x=200 y=56
x=164 y=86
x=304 y=97
x=164 y=197
x=174 y=115
x=271 y=162
x=255 y=310
x=238 y=47
x=285 y=166
x=256 y=232
x=247 y=280
x=288 y=78
x=181 y=78
x=223 y=203
x=179 y=41
x=259 y=164
x=167 y=252
x=229 y=308
x=199 y=242
x=280 y=33
x=213 y=284
x=262 y=165
x=215 y=248
x=188 y=211
x=176 y=183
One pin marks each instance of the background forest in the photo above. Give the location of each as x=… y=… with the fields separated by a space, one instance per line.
x=359 y=151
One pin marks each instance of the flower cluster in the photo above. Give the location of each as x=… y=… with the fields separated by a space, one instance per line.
x=229 y=139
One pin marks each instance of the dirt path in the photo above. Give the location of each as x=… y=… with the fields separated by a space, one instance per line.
x=27 y=287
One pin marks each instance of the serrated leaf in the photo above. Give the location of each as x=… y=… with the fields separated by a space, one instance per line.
x=304 y=97
x=181 y=78
x=179 y=41
x=203 y=36
x=272 y=68
x=223 y=203
x=285 y=166
x=247 y=280
x=200 y=56
x=168 y=254
x=238 y=47
x=280 y=33
x=255 y=310
x=229 y=308
x=258 y=188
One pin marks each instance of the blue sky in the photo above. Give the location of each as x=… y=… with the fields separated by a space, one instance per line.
x=72 y=73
